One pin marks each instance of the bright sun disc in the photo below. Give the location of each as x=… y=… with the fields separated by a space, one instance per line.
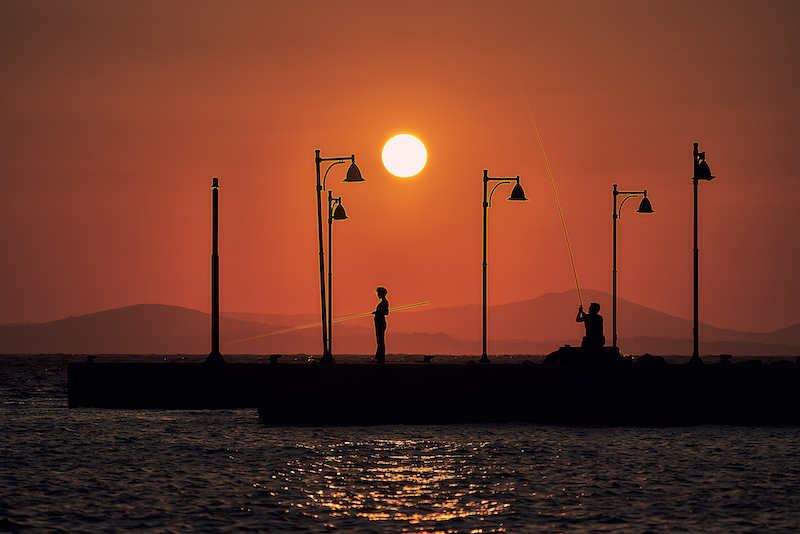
x=404 y=155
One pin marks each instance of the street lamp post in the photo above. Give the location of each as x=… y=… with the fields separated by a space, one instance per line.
x=701 y=172
x=516 y=194
x=353 y=175
x=644 y=207
x=337 y=214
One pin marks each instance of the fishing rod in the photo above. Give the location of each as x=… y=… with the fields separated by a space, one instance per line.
x=292 y=329
x=552 y=184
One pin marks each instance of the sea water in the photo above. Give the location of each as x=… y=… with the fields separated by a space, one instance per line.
x=95 y=470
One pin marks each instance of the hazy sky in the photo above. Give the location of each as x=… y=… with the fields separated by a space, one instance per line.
x=115 y=116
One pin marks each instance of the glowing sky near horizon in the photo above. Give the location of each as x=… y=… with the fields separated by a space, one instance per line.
x=115 y=117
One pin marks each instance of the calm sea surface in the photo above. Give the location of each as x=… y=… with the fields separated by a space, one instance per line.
x=92 y=470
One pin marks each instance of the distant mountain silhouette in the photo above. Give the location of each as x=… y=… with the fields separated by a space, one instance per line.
x=536 y=326
x=140 y=329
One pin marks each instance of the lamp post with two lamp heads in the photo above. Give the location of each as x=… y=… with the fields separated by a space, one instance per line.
x=644 y=207
x=517 y=193
x=701 y=172
x=353 y=175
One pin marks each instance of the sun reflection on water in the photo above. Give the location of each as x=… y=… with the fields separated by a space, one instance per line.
x=416 y=482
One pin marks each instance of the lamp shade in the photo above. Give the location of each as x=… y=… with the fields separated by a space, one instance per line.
x=339 y=214
x=701 y=170
x=645 y=206
x=517 y=193
x=353 y=174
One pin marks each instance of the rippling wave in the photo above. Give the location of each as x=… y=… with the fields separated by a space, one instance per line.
x=92 y=470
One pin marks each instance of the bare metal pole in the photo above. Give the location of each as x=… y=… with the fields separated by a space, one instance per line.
x=215 y=356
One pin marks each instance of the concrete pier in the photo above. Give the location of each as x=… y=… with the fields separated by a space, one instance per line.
x=370 y=394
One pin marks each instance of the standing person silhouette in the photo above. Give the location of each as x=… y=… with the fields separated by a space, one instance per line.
x=380 y=313
x=593 y=321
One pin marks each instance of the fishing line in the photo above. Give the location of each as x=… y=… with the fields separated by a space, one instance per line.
x=292 y=329
x=552 y=184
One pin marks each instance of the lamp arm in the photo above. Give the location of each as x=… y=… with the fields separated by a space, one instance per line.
x=337 y=162
x=631 y=194
x=504 y=181
x=332 y=202
x=340 y=159
x=501 y=182
x=619 y=211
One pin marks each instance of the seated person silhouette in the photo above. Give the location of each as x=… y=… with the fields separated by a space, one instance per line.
x=593 y=321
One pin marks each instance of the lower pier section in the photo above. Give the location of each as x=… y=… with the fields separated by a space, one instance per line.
x=370 y=394
x=561 y=394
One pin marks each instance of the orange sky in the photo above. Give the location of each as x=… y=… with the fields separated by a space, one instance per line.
x=115 y=117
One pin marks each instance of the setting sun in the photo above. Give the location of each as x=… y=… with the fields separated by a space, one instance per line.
x=404 y=155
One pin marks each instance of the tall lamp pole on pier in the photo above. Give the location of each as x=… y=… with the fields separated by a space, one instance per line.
x=517 y=193
x=215 y=356
x=644 y=207
x=353 y=175
x=337 y=214
x=701 y=172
